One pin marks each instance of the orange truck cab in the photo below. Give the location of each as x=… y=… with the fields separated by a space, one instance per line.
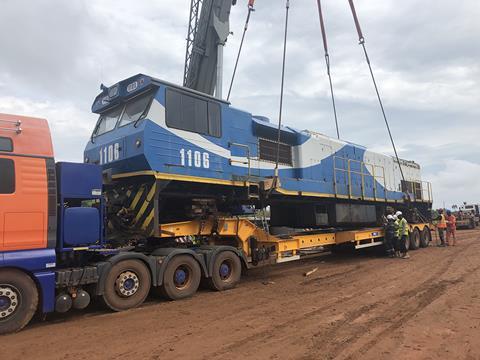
x=27 y=202
x=34 y=251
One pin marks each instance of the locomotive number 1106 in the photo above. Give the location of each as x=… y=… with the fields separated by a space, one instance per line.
x=194 y=158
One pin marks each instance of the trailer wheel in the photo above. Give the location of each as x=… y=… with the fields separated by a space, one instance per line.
x=415 y=239
x=182 y=278
x=408 y=241
x=426 y=237
x=18 y=300
x=227 y=270
x=127 y=285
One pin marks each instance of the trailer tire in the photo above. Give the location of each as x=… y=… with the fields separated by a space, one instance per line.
x=408 y=242
x=426 y=237
x=415 y=239
x=226 y=273
x=127 y=285
x=18 y=300
x=181 y=278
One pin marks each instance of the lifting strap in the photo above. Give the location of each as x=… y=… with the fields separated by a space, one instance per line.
x=327 y=62
x=287 y=7
x=245 y=28
x=361 y=41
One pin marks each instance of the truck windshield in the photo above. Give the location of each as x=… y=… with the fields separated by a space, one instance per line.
x=108 y=121
x=135 y=109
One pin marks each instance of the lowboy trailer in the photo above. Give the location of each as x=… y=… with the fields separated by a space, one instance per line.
x=54 y=253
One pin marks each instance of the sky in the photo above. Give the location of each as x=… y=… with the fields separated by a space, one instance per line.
x=426 y=57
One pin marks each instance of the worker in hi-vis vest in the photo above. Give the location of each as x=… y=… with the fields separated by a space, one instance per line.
x=441 y=226
x=402 y=235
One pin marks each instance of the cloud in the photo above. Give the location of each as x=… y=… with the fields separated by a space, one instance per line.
x=55 y=54
x=456 y=183
x=70 y=129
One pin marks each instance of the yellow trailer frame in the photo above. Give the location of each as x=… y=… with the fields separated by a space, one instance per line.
x=282 y=247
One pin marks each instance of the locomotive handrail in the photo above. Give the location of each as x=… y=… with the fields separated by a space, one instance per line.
x=248 y=162
x=421 y=190
x=383 y=178
x=362 y=173
x=424 y=187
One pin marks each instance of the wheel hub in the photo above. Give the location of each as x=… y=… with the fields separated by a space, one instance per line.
x=225 y=270
x=127 y=283
x=8 y=301
x=181 y=277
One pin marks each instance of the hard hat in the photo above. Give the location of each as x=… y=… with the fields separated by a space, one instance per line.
x=395 y=217
x=398 y=213
x=390 y=217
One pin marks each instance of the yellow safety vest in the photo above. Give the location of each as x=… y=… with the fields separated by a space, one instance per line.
x=403 y=227
x=442 y=224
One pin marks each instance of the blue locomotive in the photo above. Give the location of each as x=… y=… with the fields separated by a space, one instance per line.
x=170 y=153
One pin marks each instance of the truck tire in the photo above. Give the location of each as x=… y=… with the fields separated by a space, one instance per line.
x=426 y=237
x=18 y=300
x=226 y=273
x=415 y=239
x=472 y=224
x=181 y=278
x=408 y=241
x=127 y=285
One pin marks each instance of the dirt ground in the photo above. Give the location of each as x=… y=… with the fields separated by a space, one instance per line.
x=355 y=306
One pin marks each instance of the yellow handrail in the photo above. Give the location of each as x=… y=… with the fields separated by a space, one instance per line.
x=362 y=173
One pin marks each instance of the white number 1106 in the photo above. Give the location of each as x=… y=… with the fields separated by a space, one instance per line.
x=194 y=158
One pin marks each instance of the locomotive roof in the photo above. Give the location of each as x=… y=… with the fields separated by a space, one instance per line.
x=132 y=86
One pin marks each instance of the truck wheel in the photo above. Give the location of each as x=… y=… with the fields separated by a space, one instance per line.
x=426 y=237
x=408 y=241
x=472 y=224
x=415 y=239
x=181 y=278
x=18 y=300
x=226 y=273
x=127 y=285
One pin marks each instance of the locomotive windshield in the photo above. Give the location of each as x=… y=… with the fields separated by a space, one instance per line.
x=132 y=111
x=107 y=121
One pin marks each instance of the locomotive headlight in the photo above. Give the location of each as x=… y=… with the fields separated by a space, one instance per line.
x=113 y=91
x=138 y=142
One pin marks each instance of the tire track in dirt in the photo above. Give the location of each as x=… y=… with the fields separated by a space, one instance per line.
x=278 y=330
x=410 y=303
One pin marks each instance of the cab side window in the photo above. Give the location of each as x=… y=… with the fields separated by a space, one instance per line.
x=6 y=144
x=193 y=113
x=7 y=176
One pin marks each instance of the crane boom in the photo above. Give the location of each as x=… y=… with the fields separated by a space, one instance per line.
x=208 y=30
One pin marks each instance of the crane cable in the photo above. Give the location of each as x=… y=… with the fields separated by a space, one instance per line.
x=361 y=41
x=327 y=62
x=245 y=28
x=287 y=7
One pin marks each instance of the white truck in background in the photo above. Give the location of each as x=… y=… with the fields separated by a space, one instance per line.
x=468 y=216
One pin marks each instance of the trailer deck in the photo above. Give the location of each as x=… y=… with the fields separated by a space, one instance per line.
x=254 y=239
